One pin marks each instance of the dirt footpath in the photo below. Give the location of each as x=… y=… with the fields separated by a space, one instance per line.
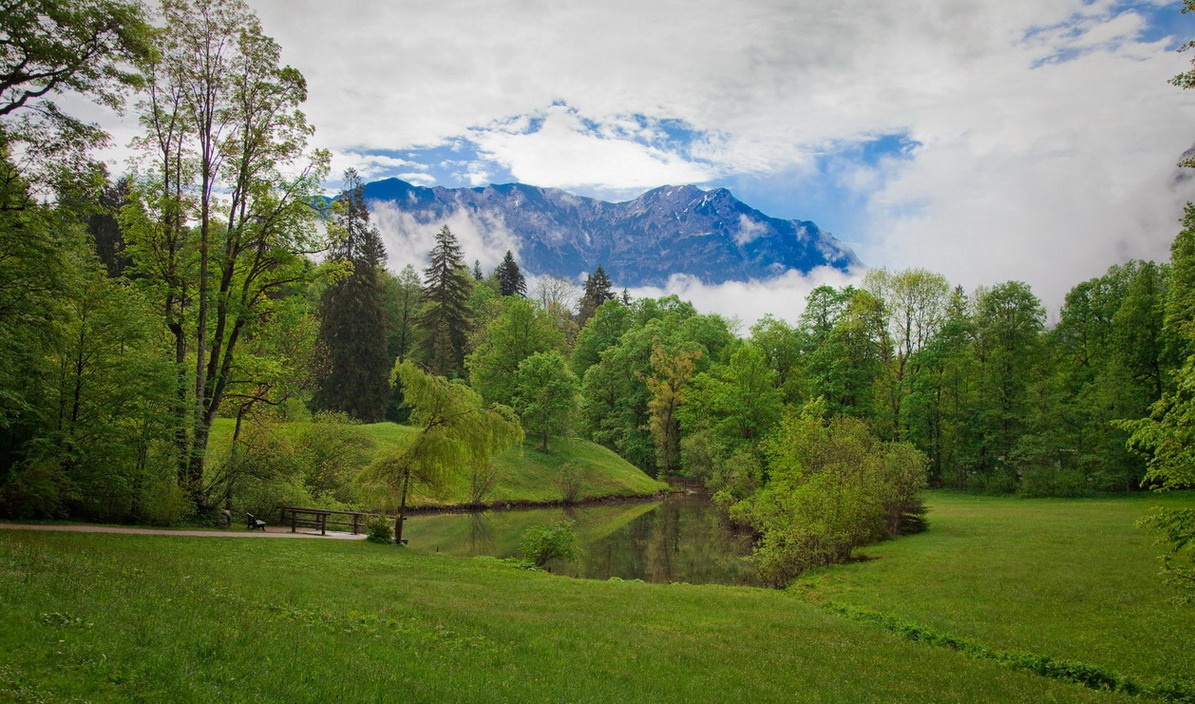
x=271 y=531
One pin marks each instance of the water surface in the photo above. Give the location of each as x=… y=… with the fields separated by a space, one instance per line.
x=679 y=539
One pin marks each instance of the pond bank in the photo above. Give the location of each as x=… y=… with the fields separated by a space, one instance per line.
x=531 y=505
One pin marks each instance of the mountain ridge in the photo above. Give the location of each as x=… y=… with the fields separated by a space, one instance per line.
x=707 y=234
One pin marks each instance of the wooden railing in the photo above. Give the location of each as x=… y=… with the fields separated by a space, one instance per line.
x=319 y=518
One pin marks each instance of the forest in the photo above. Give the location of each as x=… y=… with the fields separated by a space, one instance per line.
x=217 y=282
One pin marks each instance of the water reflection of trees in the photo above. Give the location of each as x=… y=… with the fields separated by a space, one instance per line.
x=681 y=539
x=481 y=534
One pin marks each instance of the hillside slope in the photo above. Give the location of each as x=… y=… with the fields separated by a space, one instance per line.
x=525 y=475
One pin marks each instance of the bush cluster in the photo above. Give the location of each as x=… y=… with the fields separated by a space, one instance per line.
x=833 y=487
x=541 y=544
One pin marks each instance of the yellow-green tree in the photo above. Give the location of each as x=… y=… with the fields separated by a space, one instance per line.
x=455 y=431
x=671 y=371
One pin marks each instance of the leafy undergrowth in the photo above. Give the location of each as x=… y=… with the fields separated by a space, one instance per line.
x=1066 y=579
x=100 y=617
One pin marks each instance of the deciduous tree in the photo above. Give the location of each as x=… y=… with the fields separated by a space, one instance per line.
x=225 y=203
x=546 y=395
x=454 y=431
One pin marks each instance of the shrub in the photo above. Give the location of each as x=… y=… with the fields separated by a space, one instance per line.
x=1041 y=482
x=570 y=481
x=483 y=477
x=34 y=490
x=165 y=504
x=542 y=544
x=833 y=487
x=379 y=530
x=914 y=520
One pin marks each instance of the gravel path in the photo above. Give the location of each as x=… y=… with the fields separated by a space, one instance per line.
x=271 y=532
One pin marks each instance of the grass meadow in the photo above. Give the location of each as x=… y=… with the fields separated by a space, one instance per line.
x=99 y=617
x=1067 y=578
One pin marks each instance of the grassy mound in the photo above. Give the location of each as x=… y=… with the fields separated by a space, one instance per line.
x=525 y=475
x=121 y=618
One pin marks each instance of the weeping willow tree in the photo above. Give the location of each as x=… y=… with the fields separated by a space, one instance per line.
x=455 y=431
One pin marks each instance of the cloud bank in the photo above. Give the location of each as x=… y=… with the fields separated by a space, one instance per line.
x=1038 y=137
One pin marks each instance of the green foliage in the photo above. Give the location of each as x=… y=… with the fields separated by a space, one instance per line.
x=545 y=395
x=378 y=530
x=35 y=489
x=570 y=481
x=309 y=464
x=542 y=544
x=782 y=345
x=352 y=320
x=53 y=48
x=166 y=504
x=1164 y=437
x=615 y=396
x=833 y=487
x=446 y=319
x=671 y=371
x=598 y=290
x=740 y=402
x=848 y=350
x=1041 y=482
x=600 y=333
x=510 y=279
x=455 y=432
x=221 y=218
x=1175 y=528
x=520 y=331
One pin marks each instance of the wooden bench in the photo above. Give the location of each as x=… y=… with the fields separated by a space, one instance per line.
x=254 y=523
x=320 y=518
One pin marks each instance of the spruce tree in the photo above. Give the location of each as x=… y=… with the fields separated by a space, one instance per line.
x=352 y=322
x=445 y=320
x=598 y=290
x=510 y=279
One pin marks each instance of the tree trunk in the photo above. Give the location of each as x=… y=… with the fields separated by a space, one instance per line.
x=402 y=508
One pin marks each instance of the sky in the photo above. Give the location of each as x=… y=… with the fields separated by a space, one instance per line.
x=1030 y=140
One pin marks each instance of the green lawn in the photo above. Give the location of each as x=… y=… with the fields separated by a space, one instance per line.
x=526 y=474
x=1066 y=578
x=124 y=618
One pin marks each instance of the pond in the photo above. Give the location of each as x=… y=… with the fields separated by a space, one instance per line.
x=682 y=538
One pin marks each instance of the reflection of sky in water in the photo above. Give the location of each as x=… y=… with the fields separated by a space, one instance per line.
x=680 y=539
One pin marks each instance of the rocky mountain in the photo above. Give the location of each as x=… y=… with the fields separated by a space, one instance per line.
x=668 y=230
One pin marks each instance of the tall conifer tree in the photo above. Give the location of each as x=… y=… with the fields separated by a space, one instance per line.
x=510 y=279
x=445 y=320
x=352 y=323
x=598 y=290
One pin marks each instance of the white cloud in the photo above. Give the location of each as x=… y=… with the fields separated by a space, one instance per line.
x=371 y=165
x=749 y=230
x=748 y=301
x=409 y=237
x=562 y=153
x=1047 y=129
